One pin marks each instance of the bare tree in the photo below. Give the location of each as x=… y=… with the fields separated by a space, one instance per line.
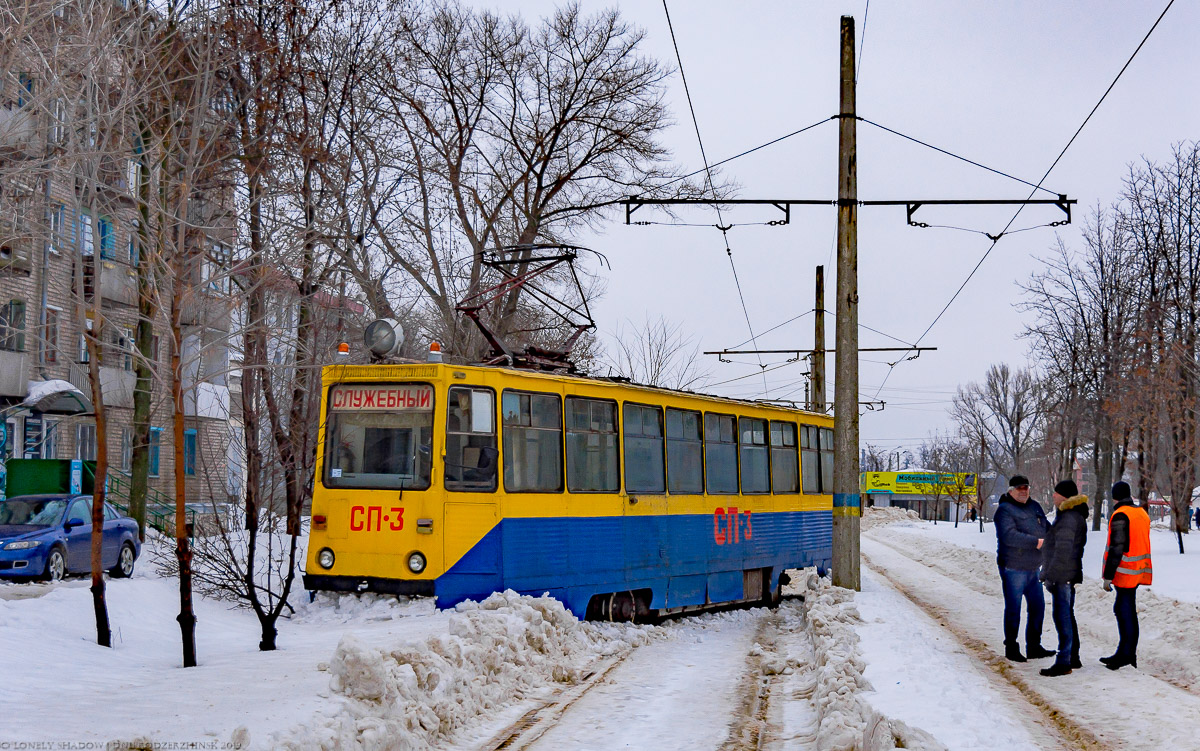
x=1004 y=410
x=658 y=353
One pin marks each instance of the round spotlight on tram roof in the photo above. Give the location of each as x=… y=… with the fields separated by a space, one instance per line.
x=384 y=337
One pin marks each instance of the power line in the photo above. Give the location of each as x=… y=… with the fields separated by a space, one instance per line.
x=1039 y=183
x=772 y=142
x=862 y=42
x=956 y=156
x=711 y=186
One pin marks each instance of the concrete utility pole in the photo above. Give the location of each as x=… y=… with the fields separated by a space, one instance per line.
x=846 y=504
x=817 y=398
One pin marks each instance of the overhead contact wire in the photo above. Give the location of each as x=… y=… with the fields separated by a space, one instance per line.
x=1057 y=159
x=712 y=187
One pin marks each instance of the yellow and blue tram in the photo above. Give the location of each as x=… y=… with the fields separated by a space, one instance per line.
x=617 y=499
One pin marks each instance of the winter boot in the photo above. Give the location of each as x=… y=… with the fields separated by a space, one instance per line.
x=1076 y=663
x=1013 y=653
x=1056 y=669
x=1119 y=662
x=1038 y=652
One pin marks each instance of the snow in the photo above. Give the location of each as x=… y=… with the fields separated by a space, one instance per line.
x=39 y=390
x=415 y=695
x=961 y=585
x=922 y=675
x=1176 y=576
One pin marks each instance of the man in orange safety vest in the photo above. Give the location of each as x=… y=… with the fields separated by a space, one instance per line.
x=1126 y=565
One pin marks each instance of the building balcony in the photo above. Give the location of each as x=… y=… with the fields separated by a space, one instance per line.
x=18 y=128
x=118 y=281
x=116 y=384
x=14 y=374
x=206 y=400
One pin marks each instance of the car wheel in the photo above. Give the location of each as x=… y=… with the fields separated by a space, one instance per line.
x=56 y=566
x=124 y=567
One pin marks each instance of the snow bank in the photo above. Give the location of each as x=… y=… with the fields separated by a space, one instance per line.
x=877 y=516
x=1169 y=646
x=503 y=650
x=846 y=721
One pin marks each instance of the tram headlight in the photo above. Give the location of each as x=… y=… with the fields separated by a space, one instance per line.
x=416 y=563
x=325 y=558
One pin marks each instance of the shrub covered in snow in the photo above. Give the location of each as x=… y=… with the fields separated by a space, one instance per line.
x=498 y=652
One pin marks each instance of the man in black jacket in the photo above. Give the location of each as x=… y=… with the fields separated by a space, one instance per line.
x=1020 y=530
x=1062 y=569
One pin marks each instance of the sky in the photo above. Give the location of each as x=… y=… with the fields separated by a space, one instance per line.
x=1005 y=84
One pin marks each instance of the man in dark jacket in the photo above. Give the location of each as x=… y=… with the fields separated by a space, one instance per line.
x=1062 y=569
x=1020 y=530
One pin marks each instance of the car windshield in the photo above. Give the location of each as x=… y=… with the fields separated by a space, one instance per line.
x=41 y=512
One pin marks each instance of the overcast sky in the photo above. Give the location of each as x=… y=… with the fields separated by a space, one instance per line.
x=1003 y=83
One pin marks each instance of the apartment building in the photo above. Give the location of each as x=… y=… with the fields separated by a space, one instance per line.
x=69 y=233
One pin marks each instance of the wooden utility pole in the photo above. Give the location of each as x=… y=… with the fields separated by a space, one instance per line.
x=846 y=504
x=979 y=478
x=817 y=398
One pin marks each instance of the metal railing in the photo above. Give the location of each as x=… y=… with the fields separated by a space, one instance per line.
x=160 y=508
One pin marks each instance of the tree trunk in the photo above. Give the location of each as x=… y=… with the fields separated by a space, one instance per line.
x=183 y=552
x=103 y=629
x=139 y=465
x=1097 y=500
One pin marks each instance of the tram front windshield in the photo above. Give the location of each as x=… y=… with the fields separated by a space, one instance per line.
x=379 y=436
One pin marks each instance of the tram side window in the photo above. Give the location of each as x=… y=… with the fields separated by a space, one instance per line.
x=685 y=455
x=471 y=453
x=592 y=446
x=379 y=436
x=532 y=442
x=826 y=460
x=785 y=476
x=720 y=454
x=643 y=450
x=816 y=459
x=756 y=476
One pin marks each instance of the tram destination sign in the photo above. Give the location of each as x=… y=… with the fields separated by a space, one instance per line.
x=383 y=397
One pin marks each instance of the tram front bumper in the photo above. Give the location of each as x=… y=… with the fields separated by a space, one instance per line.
x=328 y=583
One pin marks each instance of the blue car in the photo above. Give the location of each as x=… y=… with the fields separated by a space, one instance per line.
x=49 y=536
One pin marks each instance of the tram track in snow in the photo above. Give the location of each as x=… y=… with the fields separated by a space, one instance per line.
x=709 y=673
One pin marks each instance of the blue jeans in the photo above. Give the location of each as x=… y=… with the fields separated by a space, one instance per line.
x=1063 y=610
x=1018 y=584
x=1125 y=609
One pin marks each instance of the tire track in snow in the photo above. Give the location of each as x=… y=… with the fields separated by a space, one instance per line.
x=1070 y=733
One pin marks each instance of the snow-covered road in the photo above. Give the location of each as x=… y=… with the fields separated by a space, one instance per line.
x=1092 y=707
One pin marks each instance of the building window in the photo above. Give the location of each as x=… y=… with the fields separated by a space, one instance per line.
x=85 y=442
x=643 y=450
x=756 y=471
x=785 y=476
x=12 y=326
x=216 y=269
x=108 y=239
x=58 y=216
x=50 y=336
x=685 y=453
x=83 y=349
x=25 y=89
x=58 y=128
x=720 y=454
x=471 y=453
x=50 y=439
x=87 y=243
x=135 y=244
x=133 y=175
x=126 y=449
x=532 y=442
x=121 y=342
x=189 y=451
x=592 y=446
x=155 y=444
